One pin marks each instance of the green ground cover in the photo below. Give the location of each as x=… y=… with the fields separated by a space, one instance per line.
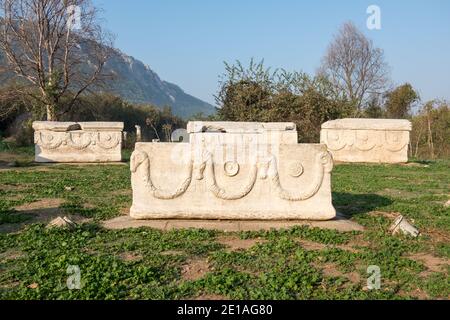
x=299 y=263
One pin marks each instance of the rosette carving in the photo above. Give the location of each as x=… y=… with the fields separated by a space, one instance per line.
x=336 y=140
x=79 y=140
x=365 y=140
x=396 y=140
x=48 y=140
x=108 y=140
x=323 y=164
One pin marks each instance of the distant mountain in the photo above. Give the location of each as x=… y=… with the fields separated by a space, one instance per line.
x=136 y=82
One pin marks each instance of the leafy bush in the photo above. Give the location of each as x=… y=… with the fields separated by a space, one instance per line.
x=254 y=93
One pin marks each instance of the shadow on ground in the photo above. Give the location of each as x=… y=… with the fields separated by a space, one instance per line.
x=14 y=221
x=424 y=162
x=351 y=204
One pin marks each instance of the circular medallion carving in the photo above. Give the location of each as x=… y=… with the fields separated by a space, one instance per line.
x=107 y=140
x=231 y=168
x=296 y=169
x=334 y=136
x=363 y=137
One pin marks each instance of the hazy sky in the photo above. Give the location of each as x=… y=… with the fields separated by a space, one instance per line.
x=186 y=41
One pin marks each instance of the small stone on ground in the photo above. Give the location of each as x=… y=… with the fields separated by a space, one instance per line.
x=62 y=222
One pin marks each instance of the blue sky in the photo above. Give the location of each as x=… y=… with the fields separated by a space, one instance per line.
x=186 y=41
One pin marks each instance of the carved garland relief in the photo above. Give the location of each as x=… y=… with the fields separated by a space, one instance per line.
x=366 y=140
x=78 y=140
x=263 y=168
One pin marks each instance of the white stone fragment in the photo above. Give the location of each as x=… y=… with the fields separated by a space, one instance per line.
x=367 y=140
x=402 y=225
x=82 y=142
x=62 y=222
x=233 y=171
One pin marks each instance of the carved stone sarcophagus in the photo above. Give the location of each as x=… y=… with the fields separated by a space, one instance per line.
x=82 y=142
x=367 y=140
x=229 y=170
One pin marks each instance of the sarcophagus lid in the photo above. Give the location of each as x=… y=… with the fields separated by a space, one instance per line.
x=252 y=132
x=369 y=124
x=239 y=127
x=367 y=140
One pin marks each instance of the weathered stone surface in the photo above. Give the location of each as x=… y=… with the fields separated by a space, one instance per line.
x=265 y=133
x=81 y=142
x=126 y=222
x=231 y=173
x=367 y=140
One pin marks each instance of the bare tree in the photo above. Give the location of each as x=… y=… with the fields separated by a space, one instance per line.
x=56 y=47
x=167 y=128
x=428 y=109
x=355 y=66
x=9 y=102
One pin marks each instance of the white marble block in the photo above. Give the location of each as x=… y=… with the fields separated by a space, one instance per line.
x=233 y=171
x=78 y=142
x=367 y=140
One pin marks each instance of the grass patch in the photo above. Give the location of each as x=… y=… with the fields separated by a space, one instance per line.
x=149 y=264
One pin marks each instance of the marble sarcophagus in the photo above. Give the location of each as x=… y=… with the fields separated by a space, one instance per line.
x=367 y=140
x=78 y=142
x=227 y=170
